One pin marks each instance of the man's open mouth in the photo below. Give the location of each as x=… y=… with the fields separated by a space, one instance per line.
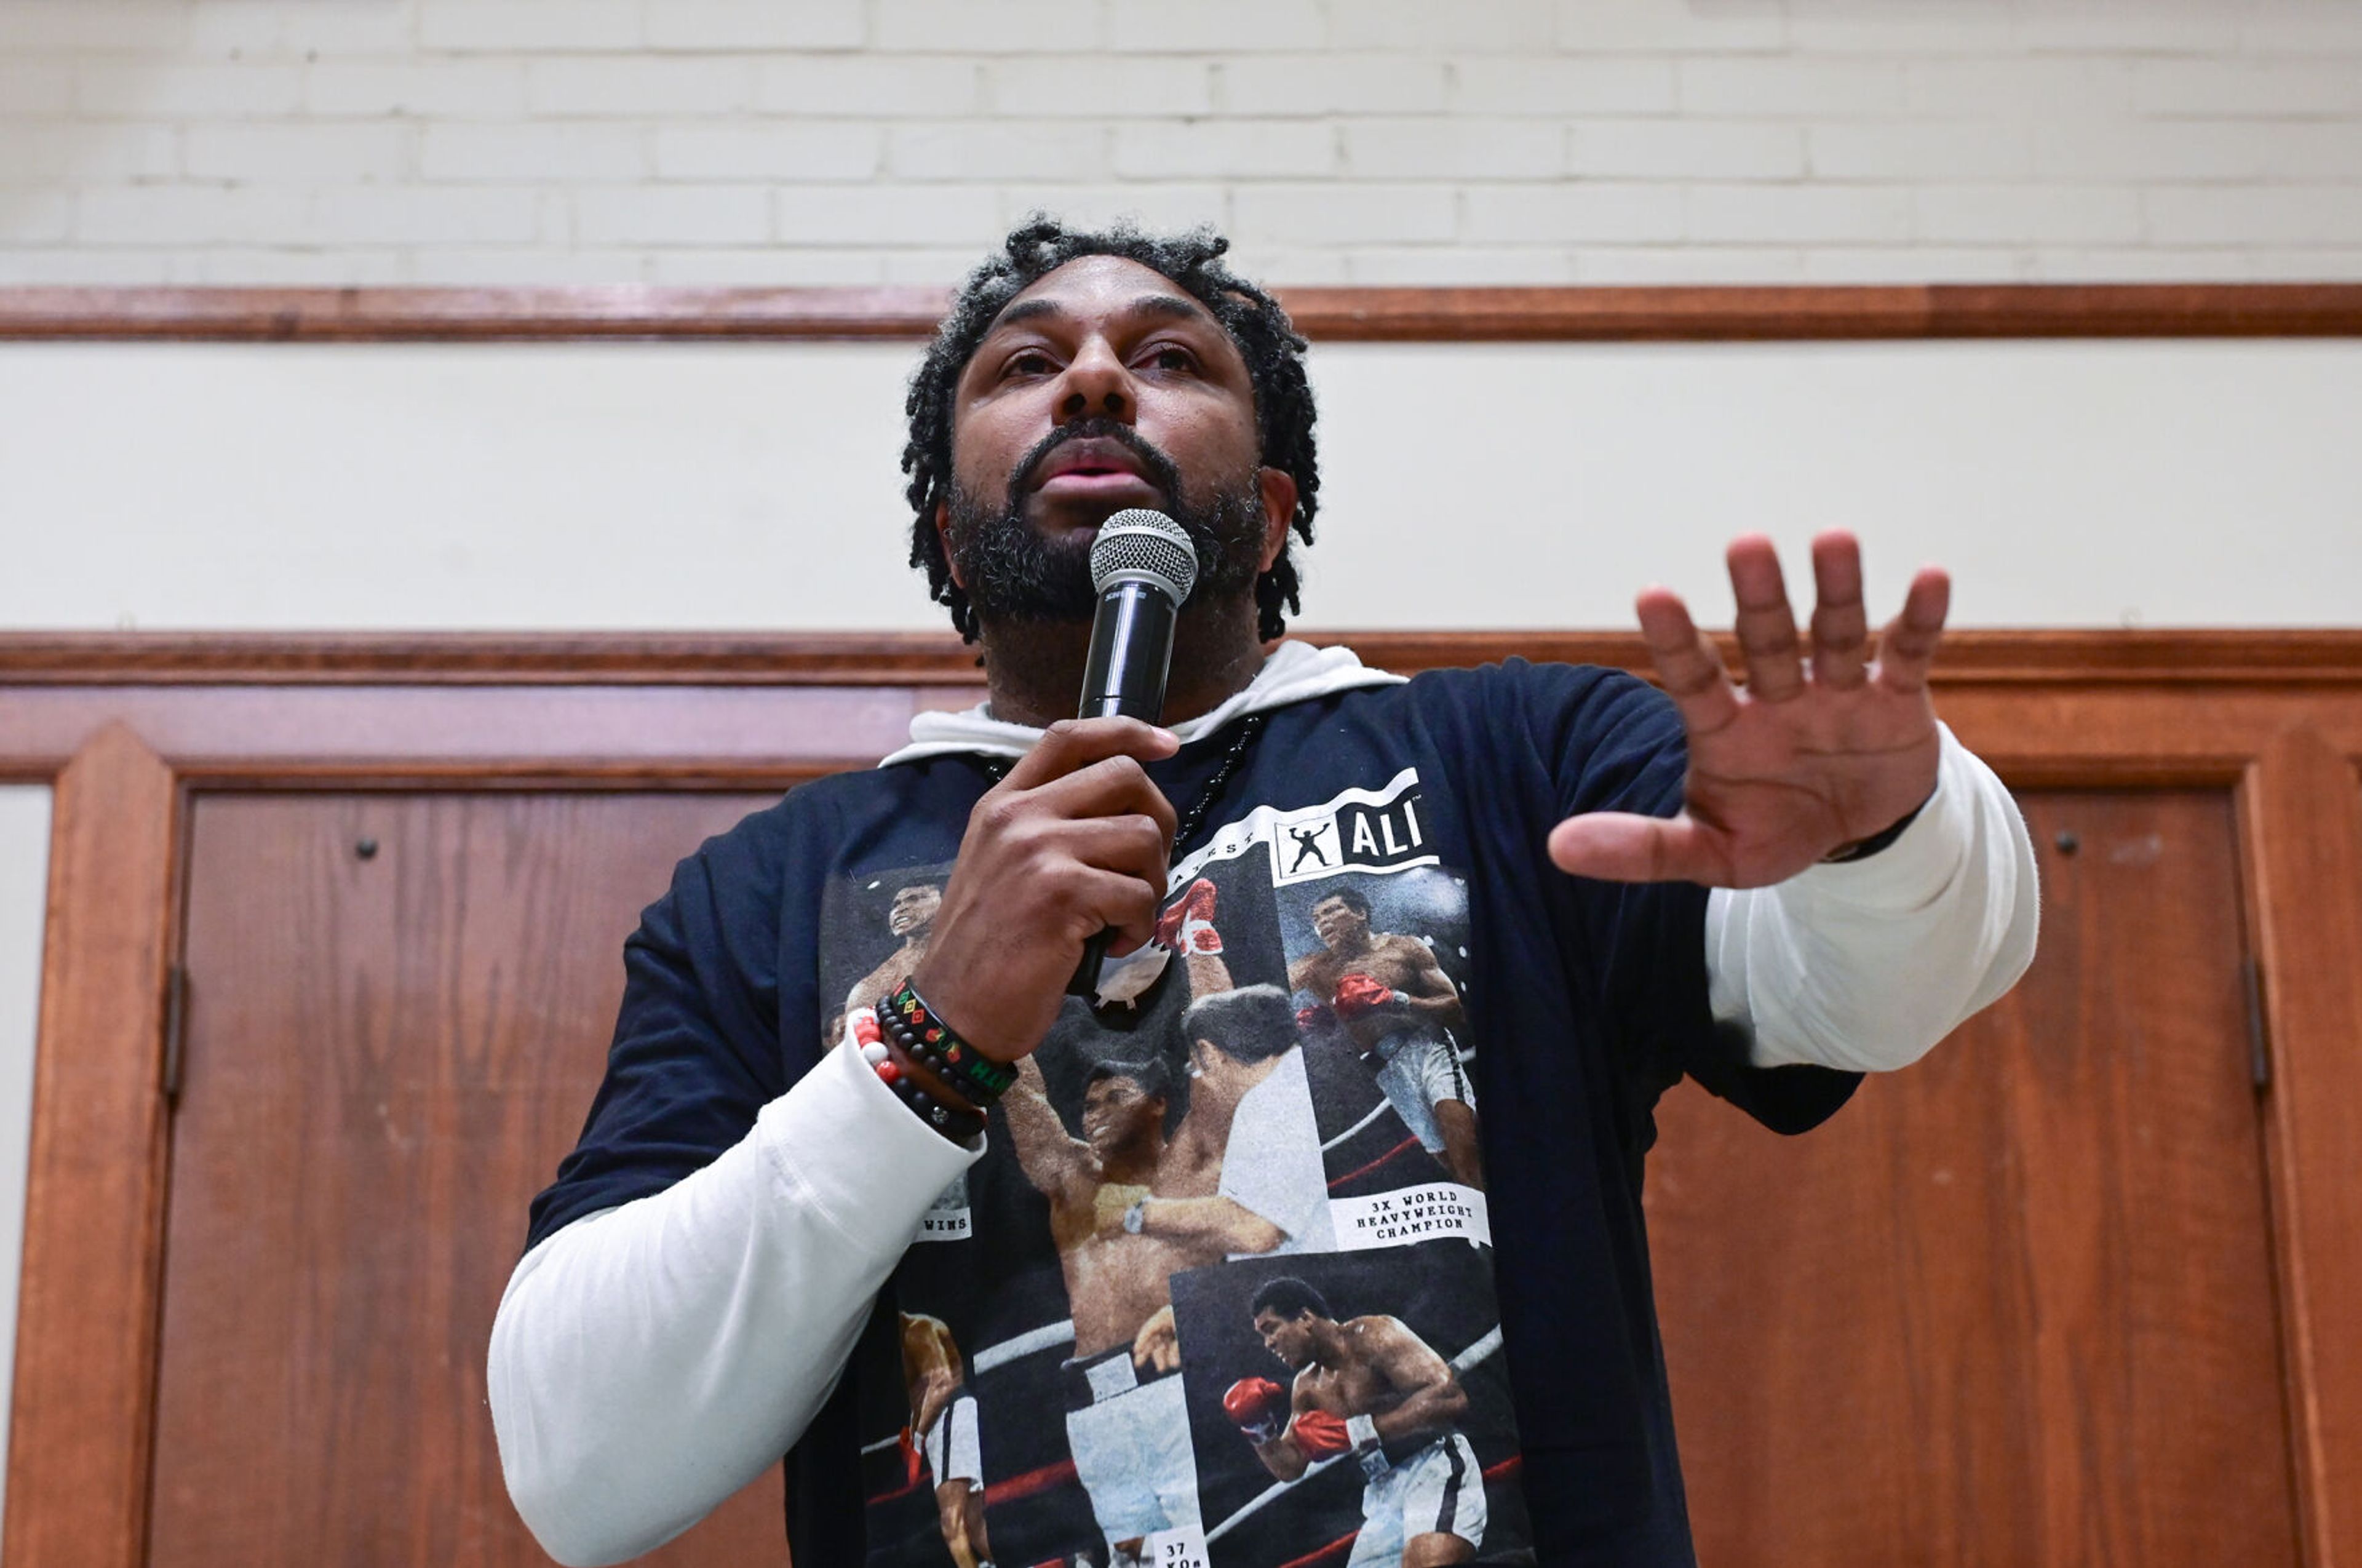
x=1093 y=466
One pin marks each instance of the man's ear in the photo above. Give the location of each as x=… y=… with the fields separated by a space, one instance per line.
x=1278 y=511
x=943 y=537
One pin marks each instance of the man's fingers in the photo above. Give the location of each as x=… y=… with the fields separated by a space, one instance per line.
x=1688 y=664
x=1906 y=649
x=1618 y=847
x=1840 y=627
x=1766 y=627
x=1116 y=902
x=1113 y=786
x=1072 y=744
x=1136 y=846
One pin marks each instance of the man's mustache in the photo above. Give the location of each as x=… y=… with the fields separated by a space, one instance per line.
x=1161 y=470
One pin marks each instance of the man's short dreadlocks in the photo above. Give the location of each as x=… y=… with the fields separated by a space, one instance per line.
x=1272 y=347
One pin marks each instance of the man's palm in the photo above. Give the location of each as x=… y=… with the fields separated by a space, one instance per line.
x=1805 y=762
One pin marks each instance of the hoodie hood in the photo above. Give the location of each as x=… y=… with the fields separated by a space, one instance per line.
x=1292 y=672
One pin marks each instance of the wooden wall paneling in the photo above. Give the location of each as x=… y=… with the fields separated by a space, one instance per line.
x=2059 y=733
x=81 y=1428
x=2303 y=828
x=2045 y=706
x=2025 y=656
x=2012 y=1305
x=518 y=714
x=469 y=731
x=1689 y=313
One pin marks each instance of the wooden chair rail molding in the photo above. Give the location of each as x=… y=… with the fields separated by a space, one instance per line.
x=1331 y=315
x=833 y=658
x=128 y=727
x=2152 y=706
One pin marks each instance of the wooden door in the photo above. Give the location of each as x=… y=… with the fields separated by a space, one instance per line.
x=399 y=1009
x=2015 y=1304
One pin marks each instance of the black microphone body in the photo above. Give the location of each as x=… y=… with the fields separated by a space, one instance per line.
x=1131 y=653
x=1144 y=566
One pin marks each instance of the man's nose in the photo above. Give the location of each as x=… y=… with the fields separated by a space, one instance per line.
x=1096 y=384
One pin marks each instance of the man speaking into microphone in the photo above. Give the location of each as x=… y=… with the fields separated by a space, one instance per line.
x=1771 y=892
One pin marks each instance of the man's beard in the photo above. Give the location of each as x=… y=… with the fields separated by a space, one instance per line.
x=1013 y=573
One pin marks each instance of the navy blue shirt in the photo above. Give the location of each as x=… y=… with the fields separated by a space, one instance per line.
x=1561 y=1009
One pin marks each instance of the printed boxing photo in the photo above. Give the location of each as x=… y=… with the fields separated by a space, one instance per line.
x=1351 y=1410
x=1375 y=963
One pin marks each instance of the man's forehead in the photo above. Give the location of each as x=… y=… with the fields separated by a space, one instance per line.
x=1094 y=285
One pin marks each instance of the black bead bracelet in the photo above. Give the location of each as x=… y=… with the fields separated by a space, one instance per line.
x=892 y=1065
x=930 y=1042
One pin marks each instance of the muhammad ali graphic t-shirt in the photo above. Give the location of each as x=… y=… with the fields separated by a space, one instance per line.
x=1318 y=1235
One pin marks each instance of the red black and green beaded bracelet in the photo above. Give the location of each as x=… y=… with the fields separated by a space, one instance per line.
x=930 y=1041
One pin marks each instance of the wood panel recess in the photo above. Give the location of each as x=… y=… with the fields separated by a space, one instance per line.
x=1667 y=314
x=2305 y=898
x=2013 y=1305
x=380 y=1076
x=84 y=1403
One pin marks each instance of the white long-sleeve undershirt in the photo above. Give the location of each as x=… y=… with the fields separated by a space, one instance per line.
x=649 y=1360
x=1866 y=964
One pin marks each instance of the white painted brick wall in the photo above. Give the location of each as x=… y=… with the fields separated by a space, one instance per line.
x=794 y=141
x=815 y=149
x=465 y=153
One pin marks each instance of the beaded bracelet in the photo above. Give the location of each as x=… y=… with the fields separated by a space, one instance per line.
x=930 y=1042
x=954 y=1123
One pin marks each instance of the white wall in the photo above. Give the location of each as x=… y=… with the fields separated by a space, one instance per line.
x=756 y=486
x=354 y=141
x=24 y=896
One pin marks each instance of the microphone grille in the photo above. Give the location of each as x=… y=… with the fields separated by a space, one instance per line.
x=1138 y=543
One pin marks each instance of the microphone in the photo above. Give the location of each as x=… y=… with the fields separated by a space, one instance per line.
x=1143 y=567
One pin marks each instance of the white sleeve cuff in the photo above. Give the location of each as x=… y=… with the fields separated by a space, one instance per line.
x=851 y=1148
x=1866 y=964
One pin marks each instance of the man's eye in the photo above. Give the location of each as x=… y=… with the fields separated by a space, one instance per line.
x=1028 y=362
x=1172 y=357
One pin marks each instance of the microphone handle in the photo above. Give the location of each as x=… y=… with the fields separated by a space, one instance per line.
x=1131 y=652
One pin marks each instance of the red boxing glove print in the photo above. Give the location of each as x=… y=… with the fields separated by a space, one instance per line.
x=1320 y=1433
x=1188 y=925
x=1259 y=1406
x=1359 y=994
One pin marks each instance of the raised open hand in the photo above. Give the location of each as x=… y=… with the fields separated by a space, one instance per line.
x=1806 y=761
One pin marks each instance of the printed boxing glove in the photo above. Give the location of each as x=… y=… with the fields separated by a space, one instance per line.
x=1320 y=1433
x=1188 y=925
x=1358 y=994
x=1259 y=1406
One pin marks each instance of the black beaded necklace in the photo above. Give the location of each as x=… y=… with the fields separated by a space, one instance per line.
x=997 y=768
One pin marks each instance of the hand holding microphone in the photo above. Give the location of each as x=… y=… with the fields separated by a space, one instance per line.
x=1064 y=859
x=1143 y=567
